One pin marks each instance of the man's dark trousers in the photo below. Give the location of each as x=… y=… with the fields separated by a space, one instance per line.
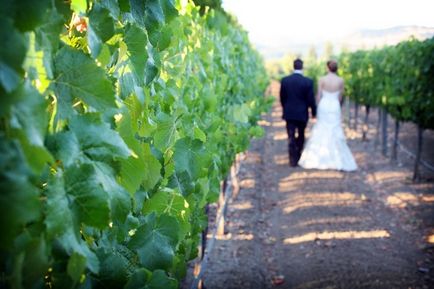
x=295 y=129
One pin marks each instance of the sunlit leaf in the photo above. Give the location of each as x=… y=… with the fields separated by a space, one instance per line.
x=155 y=241
x=78 y=76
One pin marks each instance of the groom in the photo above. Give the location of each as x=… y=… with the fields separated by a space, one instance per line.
x=296 y=96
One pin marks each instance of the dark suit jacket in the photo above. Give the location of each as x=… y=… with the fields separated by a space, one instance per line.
x=296 y=96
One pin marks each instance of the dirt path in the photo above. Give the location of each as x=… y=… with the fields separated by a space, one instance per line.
x=296 y=228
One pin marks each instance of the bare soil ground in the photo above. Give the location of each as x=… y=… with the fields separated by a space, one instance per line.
x=296 y=228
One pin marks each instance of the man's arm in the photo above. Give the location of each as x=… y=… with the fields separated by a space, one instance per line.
x=311 y=100
x=282 y=94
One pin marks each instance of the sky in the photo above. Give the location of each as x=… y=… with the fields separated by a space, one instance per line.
x=275 y=22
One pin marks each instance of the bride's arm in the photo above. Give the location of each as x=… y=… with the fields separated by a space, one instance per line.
x=318 y=92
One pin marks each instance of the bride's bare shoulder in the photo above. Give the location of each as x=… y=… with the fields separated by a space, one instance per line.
x=336 y=78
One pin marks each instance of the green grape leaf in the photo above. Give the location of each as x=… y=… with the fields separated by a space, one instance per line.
x=160 y=279
x=143 y=118
x=240 y=113
x=76 y=266
x=143 y=169
x=136 y=41
x=113 y=6
x=138 y=11
x=36 y=261
x=37 y=156
x=132 y=173
x=154 y=16
x=100 y=29
x=47 y=38
x=172 y=204
x=9 y=79
x=12 y=54
x=29 y=114
x=182 y=182
x=148 y=14
x=65 y=147
x=79 y=6
x=152 y=169
x=91 y=141
x=72 y=243
x=144 y=279
x=114 y=265
x=58 y=214
x=256 y=131
x=120 y=202
x=29 y=14
x=168 y=203
x=78 y=76
x=19 y=200
x=153 y=65
x=35 y=66
x=190 y=156
x=97 y=139
x=199 y=134
x=127 y=83
x=169 y=9
x=128 y=128
x=29 y=122
x=139 y=279
x=102 y=23
x=155 y=241
x=162 y=39
x=165 y=134
x=124 y=5
x=105 y=56
x=89 y=197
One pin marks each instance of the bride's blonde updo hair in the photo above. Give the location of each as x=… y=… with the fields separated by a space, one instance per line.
x=332 y=65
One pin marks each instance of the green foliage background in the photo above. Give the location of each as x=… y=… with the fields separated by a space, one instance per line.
x=398 y=78
x=118 y=120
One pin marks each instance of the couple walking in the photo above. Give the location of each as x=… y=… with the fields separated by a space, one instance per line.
x=326 y=147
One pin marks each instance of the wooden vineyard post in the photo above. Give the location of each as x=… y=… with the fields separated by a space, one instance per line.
x=227 y=187
x=416 y=174
x=384 y=132
x=234 y=178
x=365 y=124
x=235 y=187
x=356 y=115
x=395 y=141
x=347 y=111
x=201 y=249
x=220 y=208
x=377 y=133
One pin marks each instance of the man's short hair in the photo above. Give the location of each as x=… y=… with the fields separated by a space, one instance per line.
x=298 y=64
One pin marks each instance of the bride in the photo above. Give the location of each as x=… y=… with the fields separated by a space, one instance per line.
x=327 y=147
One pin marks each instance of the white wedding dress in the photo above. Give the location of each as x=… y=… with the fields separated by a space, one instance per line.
x=327 y=148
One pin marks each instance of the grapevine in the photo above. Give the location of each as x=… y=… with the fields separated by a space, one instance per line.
x=118 y=121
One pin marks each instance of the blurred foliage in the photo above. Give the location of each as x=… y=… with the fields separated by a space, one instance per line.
x=211 y=4
x=398 y=78
x=313 y=66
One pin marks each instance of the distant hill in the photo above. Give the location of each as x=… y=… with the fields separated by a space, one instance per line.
x=391 y=36
x=363 y=39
